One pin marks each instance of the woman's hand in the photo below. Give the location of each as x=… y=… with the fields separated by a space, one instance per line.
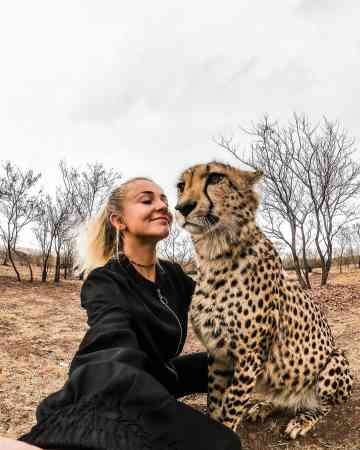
x=12 y=444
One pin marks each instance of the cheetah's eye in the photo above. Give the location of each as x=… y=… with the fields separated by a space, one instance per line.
x=180 y=187
x=215 y=178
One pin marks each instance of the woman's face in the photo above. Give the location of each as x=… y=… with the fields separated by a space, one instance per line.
x=145 y=212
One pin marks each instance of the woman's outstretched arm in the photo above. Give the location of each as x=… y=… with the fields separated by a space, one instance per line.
x=192 y=370
x=11 y=444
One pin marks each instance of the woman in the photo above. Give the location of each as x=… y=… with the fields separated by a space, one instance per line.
x=125 y=377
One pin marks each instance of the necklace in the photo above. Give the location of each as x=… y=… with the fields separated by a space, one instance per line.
x=142 y=265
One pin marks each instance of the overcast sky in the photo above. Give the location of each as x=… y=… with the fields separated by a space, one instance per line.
x=143 y=86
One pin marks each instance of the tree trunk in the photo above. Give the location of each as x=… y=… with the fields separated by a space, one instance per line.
x=27 y=259
x=44 y=273
x=298 y=271
x=6 y=259
x=325 y=263
x=325 y=272
x=299 y=274
x=57 y=268
x=45 y=269
x=324 y=278
x=307 y=270
x=65 y=272
x=31 y=279
x=296 y=258
x=305 y=261
x=13 y=264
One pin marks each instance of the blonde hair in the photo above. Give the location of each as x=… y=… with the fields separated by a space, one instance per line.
x=100 y=241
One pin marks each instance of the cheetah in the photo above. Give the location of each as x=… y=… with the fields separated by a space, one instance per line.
x=263 y=333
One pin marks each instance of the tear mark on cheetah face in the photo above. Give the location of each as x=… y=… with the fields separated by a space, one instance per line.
x=216 y=200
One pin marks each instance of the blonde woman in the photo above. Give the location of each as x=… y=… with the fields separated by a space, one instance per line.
x=127 y=374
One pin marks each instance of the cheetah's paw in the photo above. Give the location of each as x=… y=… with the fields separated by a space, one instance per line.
x=259 y=411
x=298 y=426
x=233 y=424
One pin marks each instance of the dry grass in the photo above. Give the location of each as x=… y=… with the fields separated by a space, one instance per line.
x=41 y=326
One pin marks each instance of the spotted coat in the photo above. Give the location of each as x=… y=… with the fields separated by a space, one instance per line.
x=267 y=339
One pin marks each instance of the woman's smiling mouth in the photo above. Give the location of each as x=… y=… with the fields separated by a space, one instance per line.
x=161 y=218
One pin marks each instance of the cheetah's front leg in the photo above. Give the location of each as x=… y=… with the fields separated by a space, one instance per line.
x=237 y=395
x=333 y=386
x=304 y=421
x=220 y=373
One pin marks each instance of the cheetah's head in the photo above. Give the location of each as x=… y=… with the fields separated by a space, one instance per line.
x=216 y=201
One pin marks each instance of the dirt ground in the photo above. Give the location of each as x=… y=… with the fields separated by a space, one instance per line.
x=41 y=326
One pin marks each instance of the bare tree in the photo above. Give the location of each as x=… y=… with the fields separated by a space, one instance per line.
x=3 y=187
x=25 y=259
x=68 y=256
x=286 y=206
x=355 y=237
x=18 y=207
x=177 y=247
x=325 y=167
x=5 y=261
x=343 y=240
x=311 y=183
x=88 y=188
x=3 y=194
x=62 y=212
x=52 y=227
x=44 y=233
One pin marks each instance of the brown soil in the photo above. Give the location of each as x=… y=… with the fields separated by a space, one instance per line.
x=41 y=326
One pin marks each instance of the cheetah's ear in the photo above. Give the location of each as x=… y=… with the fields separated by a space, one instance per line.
x=252 y=177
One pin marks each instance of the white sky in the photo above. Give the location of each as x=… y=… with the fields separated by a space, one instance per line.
x=143 y=86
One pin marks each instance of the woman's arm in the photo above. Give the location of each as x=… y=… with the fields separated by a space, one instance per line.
x=109 y=357
x=109 y=390
x=11 y=444
x=192 y=370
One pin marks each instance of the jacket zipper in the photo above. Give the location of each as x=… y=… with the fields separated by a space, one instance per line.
x=165 y=302
x=172 y=370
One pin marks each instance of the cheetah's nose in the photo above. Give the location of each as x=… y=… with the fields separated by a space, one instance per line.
x=186 y=208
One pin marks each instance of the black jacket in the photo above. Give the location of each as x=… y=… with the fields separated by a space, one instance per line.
x=135 y=320
x=118 y=392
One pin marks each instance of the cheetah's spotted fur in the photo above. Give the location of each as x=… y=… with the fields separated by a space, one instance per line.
x=263 y=333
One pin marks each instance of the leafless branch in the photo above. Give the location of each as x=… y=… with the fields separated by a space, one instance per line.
x=311 y=184
x=18 y=208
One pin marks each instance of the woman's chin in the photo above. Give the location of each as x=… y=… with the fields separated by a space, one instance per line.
x=164 y=234
x=160 y=234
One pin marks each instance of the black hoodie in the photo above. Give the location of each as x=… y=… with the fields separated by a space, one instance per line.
x=131 y=318
x=120 y=394
x=120 y=379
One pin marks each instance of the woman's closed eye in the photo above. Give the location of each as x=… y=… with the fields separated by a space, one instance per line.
x=147 y=199
x=150 y=200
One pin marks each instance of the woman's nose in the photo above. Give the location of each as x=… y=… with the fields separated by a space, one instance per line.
x=162 y=205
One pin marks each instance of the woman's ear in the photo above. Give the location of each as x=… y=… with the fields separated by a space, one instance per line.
x=116 y=222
